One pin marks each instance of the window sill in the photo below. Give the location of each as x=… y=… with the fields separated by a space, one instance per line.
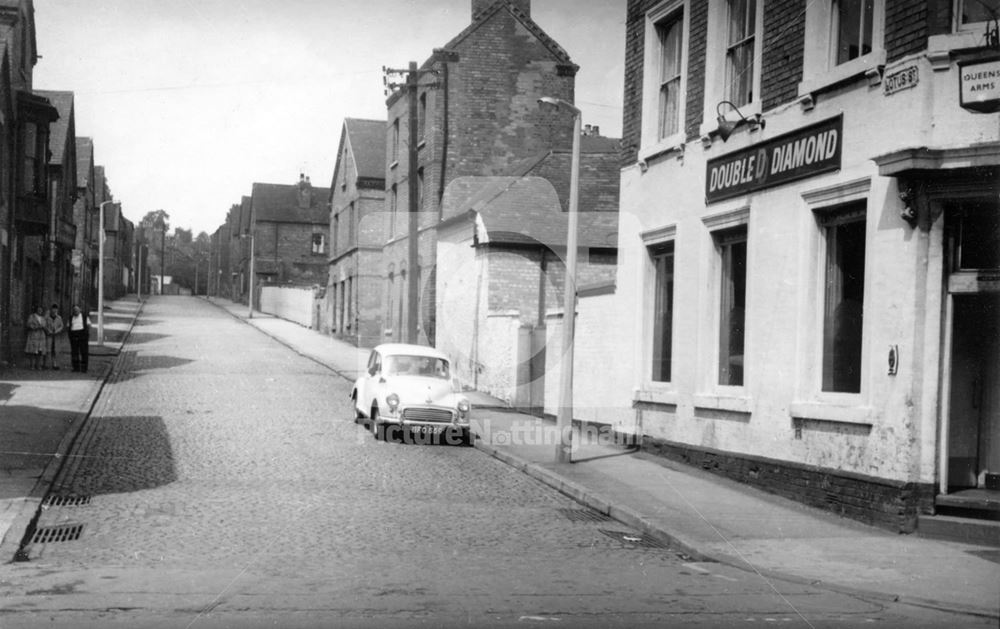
x=654 y=395
x=674 y=143
x=732 y=403
x=853 y=69
x=831 y=412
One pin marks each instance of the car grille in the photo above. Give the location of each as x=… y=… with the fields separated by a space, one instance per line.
x=427 y=414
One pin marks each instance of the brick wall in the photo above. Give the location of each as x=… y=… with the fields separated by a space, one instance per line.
x=889 y=504
x=906 y=26
x=635 y=41
x=286 y=248
x=600 y=179
x=695 y=105
x=784 y=42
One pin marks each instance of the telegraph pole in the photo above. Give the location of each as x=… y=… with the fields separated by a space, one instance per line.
x=413 y=286
x=412 y=86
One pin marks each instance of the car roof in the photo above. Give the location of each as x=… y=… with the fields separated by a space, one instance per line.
x=396 y=349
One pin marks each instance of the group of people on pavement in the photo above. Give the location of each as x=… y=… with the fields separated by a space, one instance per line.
x=44 y=330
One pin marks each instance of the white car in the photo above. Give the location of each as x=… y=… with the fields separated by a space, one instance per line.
x=408 y=389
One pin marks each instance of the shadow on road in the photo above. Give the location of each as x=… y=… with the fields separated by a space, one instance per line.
x=125 y=454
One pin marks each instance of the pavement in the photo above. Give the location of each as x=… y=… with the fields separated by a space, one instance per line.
x=41 y=414
x=706 y=516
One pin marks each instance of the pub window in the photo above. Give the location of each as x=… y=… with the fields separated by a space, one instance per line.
x=976 y=12
x=662 y=257
x=670 y=36
x=844 y=296
x=731 y=246
x=852 y=28
x=740 y=51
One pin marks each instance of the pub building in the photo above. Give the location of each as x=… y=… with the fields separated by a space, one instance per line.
x=809 y=271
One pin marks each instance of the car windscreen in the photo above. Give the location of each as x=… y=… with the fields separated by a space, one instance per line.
x=424 y=366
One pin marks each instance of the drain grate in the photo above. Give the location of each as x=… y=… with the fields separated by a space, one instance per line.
x=55 y=534
x=634 y=540
x=584 y=515
x=67 y=501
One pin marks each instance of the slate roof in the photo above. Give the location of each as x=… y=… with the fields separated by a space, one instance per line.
x=279 y=203
x=524 y=210
x=58 y=130
x=367 y=142
x=550 y=44
x=84 y=161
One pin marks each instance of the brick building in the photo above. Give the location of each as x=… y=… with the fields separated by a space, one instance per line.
x=61 y=240
x=289 y=226
x=833 y=243
x=477 y=115
x=357 y=214
x=25 y=217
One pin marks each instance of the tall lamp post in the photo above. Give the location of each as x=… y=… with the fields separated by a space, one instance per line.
x=564 y=419
x=100 y=273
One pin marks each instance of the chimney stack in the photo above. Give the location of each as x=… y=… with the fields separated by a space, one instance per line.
x=478 y=6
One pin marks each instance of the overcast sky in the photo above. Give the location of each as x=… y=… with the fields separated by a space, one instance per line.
x=191 y=101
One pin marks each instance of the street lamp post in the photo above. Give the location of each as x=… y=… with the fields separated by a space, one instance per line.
x=100 y=273
x=564 y=418
x=252 y=282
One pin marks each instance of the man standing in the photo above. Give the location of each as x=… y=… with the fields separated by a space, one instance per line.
x=79 y=339
x=53 y=328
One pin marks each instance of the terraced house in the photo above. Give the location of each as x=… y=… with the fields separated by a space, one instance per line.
x=810 y=226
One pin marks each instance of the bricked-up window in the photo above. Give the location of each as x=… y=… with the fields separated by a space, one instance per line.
x=393 y=209
x=662 y=256
x=394 y=148
x=422 y=117
x=336 y=233
x=731 y=245
x=670 y=34
x=843 y=310
x=351 y=225
x=852 y=27
x=420 y=189
x=977 y=11
x=318 y=244
x=740 y=51
x=35 y=146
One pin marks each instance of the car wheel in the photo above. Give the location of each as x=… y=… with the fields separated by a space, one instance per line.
x=377 y=431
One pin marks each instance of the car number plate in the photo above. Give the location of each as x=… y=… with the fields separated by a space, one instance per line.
x=428 y=430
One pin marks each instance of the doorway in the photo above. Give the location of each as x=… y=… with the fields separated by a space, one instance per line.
x=974 y=426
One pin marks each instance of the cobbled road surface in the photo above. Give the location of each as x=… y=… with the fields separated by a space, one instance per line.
x=229 y=487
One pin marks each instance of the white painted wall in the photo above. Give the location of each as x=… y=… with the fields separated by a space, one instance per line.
x=888 y=430
x=288 y=302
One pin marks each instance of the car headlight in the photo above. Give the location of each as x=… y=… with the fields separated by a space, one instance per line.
x=463 y=407
x=393 y=401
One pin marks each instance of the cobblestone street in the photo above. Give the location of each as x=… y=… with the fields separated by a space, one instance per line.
x=229 y=487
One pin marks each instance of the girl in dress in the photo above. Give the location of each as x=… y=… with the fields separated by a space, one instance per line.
x=35 y=345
